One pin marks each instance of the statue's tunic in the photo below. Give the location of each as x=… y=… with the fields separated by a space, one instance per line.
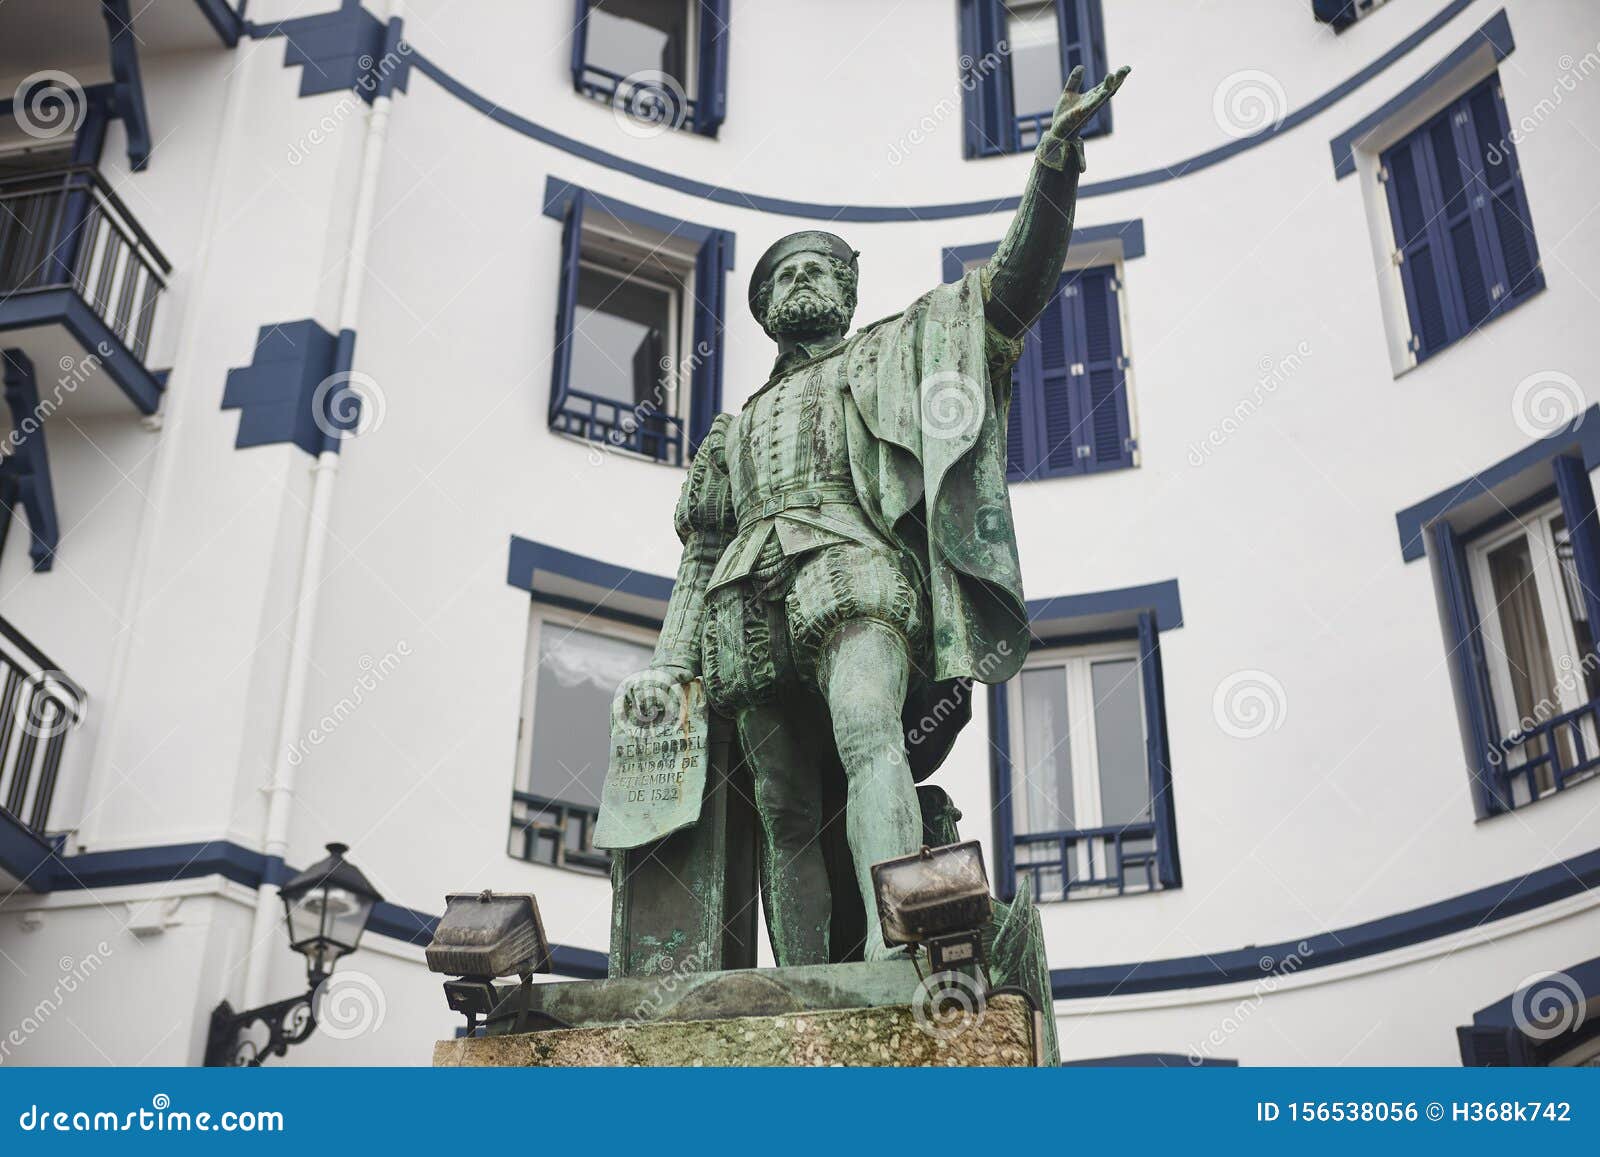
x=862 y=481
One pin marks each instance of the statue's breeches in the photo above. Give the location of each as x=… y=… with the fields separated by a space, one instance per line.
x=765 y=632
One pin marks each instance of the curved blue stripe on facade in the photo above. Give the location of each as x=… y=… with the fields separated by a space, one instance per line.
x=890 y=213
x=1429 y=922
x=1496 y=902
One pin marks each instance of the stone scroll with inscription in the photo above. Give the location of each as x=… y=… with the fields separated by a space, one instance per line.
x=656 y=780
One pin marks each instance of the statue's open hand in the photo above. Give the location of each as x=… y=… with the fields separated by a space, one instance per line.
x=1075 y=108
x=647 y=698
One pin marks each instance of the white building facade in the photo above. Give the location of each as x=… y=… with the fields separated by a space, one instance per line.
x=354 y=351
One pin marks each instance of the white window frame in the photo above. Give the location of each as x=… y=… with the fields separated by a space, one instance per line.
x=659 y=265
x=1077 y=663
x=1554 y=611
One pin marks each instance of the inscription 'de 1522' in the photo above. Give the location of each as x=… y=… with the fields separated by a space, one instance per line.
x=656 y=780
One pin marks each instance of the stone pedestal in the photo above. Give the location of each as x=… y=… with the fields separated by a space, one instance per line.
x=1002 y=1034
x=688 y=902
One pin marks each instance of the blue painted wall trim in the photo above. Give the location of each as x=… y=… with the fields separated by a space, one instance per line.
x=1415 y=926
x=23 y=855
x=827 y=212
x=349 y=48
x=128 y=86
x=248 y=868
x=1494 y=36
x=224 y=18
x=242 y=866
x=25 y=479
x=558 y=195
x=1582 y=435
x=528 y=556
x=1161 y=598
x=953 y=261
x=277 y=393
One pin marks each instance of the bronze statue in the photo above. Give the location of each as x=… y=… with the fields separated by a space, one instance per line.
x=849 y=561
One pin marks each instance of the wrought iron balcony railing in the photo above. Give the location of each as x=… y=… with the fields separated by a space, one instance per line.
x=548 y=831
x=1551 y=756
x=638 y=428
x=67 y=229
x=39 y=705
x=651 y=98
x=1088 y=860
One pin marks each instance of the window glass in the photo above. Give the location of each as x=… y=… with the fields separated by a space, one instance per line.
x=1035 y=44
x=577 y=674
x=1119 y=739
x=618 y=338
x=632 y=36
x=1042 y=797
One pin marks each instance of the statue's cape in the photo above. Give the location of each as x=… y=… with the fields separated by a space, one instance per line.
x=927 y=444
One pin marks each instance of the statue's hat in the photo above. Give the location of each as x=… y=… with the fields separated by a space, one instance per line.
x=806 y=241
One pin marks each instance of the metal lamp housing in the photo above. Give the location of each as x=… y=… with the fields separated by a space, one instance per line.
x=932 y=894
x=328 y=906
x=488 y=934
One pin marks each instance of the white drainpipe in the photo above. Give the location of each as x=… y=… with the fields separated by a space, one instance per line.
x=264 y=934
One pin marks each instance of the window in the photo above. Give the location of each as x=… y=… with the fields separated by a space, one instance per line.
x=1016 y=56
x=1463 y=236
x=1069 y=396
x=1521 y=592
x=664 y=62
x=638 y=329
x=1537 y=637
x=565 y=735
x=1084 y=803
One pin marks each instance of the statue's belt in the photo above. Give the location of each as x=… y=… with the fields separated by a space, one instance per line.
x=811 y=496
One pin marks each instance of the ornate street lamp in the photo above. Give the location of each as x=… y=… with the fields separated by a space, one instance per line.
x=327 y=907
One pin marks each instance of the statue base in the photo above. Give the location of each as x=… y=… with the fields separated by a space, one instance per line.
x=851 y=1014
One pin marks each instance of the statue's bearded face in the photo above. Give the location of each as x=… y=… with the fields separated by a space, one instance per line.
x=809 y=294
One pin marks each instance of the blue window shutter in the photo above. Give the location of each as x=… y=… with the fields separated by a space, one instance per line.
x=1471 y=667
x=1069 y=398
x=1000 y=775
x=1461 y=220
x=1081 y=26
x=1018 y=427
x=1501 y=207
x=710 y=293
x=566 y=302
x=1583 y=530
x=1417 y=239
x=580 y=42
x=1157 y=757
x=1105 y=426
x=1060 y=408
x=985 y=79
x=711 y=81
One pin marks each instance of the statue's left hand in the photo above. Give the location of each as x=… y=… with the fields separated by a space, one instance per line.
x=1075 y=108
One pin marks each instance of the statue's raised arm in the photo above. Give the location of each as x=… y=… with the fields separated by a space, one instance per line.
x=1023 y=271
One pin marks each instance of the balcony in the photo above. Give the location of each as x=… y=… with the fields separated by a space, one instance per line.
x=79 y=279
x=1104 y=861
x=39 y=707
x=545 y=831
